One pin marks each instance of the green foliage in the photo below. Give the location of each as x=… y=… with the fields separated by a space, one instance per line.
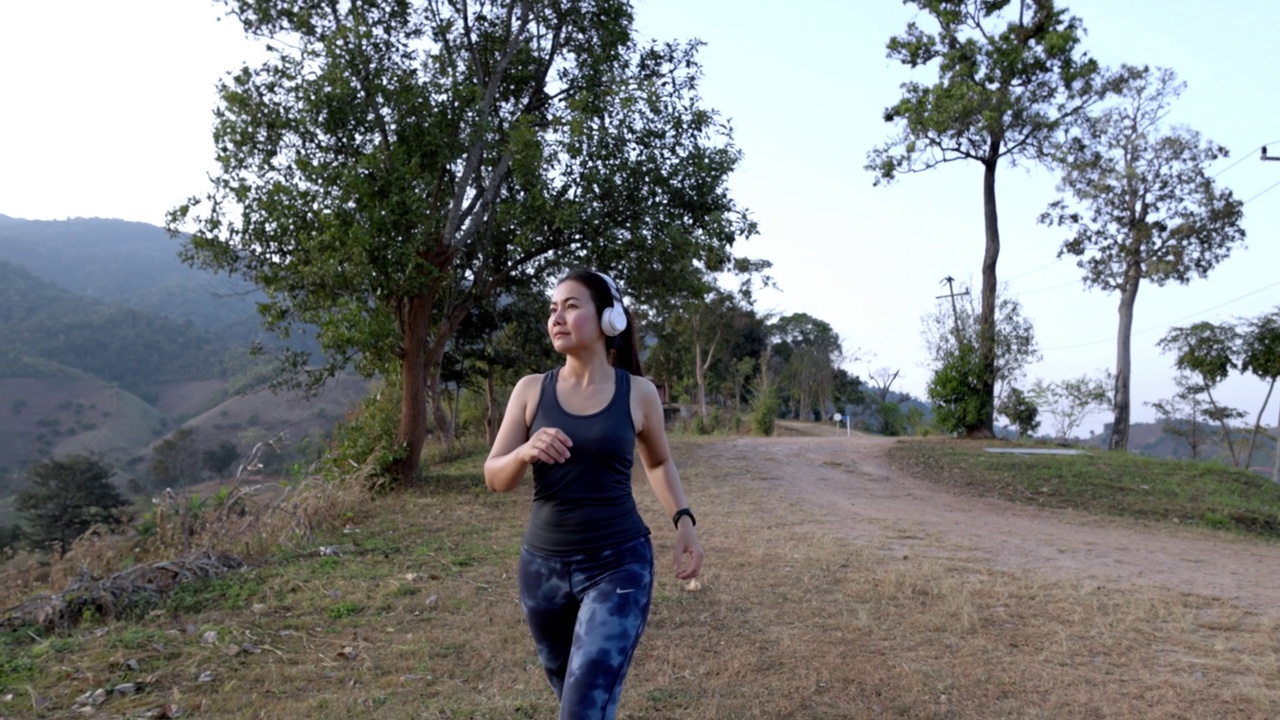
x=219 y=460
x=42 y=322
x=343 y=609
x=1109 y=483
x=1069 y=402
x=956 y=391
x=892 y=421
x=1020 y=410
x=10 y=537
x=1016 y=346
x=1151 y=210
x=765 y=409
x=1009 y=78
x=366 y=439
x=229 y=592
x=68 y=496
x=391 y=166
x=176 y=461
x=805 y=355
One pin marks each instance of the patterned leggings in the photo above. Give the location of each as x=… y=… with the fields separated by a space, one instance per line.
x=586 y=613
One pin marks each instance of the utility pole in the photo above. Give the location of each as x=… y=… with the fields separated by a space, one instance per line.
x=955 y=311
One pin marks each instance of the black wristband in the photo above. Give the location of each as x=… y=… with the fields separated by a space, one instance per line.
x=683 y=512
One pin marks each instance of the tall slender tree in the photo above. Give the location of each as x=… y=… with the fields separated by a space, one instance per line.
x=393 y=163
x=1010 y=76
x=1144 y=207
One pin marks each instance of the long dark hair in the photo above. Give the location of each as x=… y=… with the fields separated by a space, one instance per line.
x=624 y=349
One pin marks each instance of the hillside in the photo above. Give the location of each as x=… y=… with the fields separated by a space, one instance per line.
x=108 y=343
x=121 y=345
x=70 y=413
x=133 y=265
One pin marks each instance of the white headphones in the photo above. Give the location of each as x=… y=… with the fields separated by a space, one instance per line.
x=614 y=319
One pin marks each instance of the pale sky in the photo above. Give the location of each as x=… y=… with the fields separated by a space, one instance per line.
x=106 y=111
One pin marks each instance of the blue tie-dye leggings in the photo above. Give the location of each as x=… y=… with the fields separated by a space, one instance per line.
x=586 y=613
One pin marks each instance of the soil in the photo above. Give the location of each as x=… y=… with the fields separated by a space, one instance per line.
x=847 y=487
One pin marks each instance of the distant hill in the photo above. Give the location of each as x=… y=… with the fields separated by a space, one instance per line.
x=108 y=343
x=132 y=348
x=132 y=265
x=71 y=413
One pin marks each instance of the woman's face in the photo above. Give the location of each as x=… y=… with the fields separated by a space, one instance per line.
x=573 y=321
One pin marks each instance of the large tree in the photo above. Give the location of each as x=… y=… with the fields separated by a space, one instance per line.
x=807 y=353
x=1145 y=208
x=66 y=497
x=1010 y=75
x=393 y=163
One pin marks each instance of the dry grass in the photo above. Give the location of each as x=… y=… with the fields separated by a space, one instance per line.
x=417 y=617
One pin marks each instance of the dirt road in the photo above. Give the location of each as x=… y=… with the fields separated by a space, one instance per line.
x=847 y=487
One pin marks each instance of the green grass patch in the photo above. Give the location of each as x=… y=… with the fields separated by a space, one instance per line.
x=1110 y=483
x=230 y=592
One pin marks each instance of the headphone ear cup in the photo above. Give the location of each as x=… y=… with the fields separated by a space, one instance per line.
x=613 y=320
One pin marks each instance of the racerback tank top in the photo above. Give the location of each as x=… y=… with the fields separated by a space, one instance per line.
x=585 y=504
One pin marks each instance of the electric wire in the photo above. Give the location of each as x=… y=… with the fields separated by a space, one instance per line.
x=1271 y=187
x=1245 y=157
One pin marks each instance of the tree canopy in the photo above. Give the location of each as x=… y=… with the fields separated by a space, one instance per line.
x=66 y=497
x=1144 y=206
x=395 y=163
x=1011 y=75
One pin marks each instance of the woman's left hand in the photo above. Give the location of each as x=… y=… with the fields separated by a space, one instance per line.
x=688 y=556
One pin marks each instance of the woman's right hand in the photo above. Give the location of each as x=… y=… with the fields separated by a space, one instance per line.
x=548 y=445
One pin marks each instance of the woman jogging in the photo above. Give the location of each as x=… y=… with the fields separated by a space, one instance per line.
x=586 y=565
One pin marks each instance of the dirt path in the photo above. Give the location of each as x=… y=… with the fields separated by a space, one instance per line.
x=847 y=487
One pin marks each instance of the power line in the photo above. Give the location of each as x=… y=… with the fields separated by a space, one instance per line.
x=1273 y=186
x=1168 y=323
x=1032 y=272
x=1244 y=157
x=1051 y=287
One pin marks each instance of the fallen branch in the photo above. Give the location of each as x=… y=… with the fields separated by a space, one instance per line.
x=108 y=597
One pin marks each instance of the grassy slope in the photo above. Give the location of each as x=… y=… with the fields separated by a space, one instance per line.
x=1102 y=482
x=418 y=617
x=69 y=414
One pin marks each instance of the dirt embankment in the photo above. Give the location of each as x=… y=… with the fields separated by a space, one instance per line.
x=846 y=485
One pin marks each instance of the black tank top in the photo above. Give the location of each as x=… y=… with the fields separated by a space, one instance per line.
x=585 y=504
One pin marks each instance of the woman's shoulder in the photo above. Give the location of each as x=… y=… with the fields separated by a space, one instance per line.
x=643 y=387
x=532 y=379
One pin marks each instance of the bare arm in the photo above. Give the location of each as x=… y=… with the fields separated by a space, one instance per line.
x=513 y=449
x=655 y=454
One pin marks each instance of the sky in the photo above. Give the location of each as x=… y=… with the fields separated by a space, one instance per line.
x=106 y=111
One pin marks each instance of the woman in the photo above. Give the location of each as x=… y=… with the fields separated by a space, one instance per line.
x=586 y=566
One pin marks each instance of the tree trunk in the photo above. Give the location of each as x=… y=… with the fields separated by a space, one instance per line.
x=490 y=404
x=987 y=324
x=701 y=376
x=1275 y=455
x=435 y=398
x=1257 y=424
x=1120 y=399
x=413 y=403
x=1226 y=429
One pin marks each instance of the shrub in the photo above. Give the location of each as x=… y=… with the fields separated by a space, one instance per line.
x=764 y=410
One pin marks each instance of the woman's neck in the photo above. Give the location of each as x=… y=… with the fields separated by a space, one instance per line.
x=587 y=371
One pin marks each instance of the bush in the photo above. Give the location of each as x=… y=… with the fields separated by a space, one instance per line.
x=956 y=391
x=366 y=438
x=764 y=410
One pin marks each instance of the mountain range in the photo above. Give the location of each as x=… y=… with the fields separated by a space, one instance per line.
x=109 y=343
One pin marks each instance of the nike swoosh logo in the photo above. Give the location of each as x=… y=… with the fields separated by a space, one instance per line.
x=622 y=591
